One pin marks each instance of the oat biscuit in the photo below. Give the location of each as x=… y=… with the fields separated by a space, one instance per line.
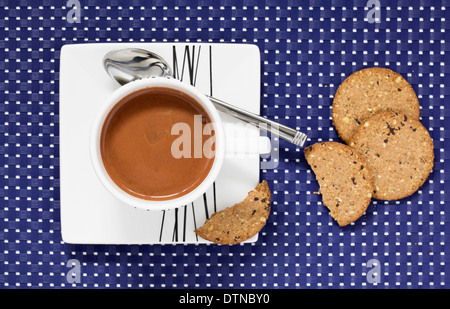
x=240 y=221
x=370 y=91
x=398 y=151
x=344 y=179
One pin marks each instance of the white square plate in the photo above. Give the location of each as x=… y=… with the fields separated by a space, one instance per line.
x=89 y=214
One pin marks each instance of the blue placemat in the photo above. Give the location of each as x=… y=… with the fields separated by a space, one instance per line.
x=306 y=53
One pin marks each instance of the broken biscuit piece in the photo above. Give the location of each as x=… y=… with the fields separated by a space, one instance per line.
x=344 y=179
x=241 y=221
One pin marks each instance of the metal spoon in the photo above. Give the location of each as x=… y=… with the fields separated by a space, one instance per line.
x=129 y=64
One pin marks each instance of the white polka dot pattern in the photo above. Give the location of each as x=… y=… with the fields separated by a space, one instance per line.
x=306 y=53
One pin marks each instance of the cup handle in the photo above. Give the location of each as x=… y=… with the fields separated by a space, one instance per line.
x=245 y=140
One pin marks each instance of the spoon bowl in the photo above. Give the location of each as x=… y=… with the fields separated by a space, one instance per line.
x=127 y=65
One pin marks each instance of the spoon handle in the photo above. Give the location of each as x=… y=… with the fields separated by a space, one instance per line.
x=291 y=135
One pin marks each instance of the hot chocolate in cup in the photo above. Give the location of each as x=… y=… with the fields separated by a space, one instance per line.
x=157 y=143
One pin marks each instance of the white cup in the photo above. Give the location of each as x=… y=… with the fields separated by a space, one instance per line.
x=96 y=130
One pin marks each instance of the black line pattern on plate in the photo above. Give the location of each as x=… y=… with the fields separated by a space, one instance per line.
x=211 y=94
x=189 y=64
x=162 y=225
x=214 y=196
x=184 y=222
x=210 y=72
x=175 y=227
x=195 y=223
x=205 y=203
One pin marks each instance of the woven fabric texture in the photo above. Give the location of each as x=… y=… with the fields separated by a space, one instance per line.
x=306 y=52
